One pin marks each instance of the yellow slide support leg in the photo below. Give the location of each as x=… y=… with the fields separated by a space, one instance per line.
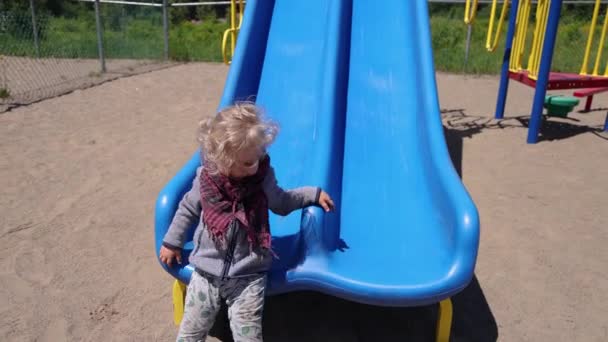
x=179 y=298
x=444 y=322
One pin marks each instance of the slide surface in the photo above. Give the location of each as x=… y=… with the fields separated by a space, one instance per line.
x=352 y=86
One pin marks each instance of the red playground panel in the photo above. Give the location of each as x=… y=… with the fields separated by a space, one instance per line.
x=588 y=93
x=559 y=80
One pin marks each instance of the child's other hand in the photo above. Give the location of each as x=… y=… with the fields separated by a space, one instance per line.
x=326 y=202
x=167 y=255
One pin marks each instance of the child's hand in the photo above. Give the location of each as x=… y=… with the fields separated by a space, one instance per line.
x=167 y=255
x=326 y=202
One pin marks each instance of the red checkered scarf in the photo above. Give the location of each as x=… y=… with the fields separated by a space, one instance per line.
x=224 y=200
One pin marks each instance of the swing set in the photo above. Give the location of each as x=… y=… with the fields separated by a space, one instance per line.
x=536 y=72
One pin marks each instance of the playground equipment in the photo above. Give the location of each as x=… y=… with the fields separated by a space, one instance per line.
x=537 y=72
x=589 y=92
x=492 y=44
x=405 y=231
x=557 y=105
x=231 y=34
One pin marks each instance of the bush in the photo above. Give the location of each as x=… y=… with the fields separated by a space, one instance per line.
x=197 y=42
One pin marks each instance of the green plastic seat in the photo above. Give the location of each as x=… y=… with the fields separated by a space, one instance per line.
x=560 y=106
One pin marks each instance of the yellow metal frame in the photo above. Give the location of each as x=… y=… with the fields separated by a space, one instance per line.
x=598 y=56
x=179 y=301
x=542 y=17
x=470 y=12
x=491 y=44
x=236 y=19
x=600 y=47
x=444 y=321
x=522 y=22
x=519 y=40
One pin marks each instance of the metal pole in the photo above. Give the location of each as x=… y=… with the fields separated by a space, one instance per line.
x=165 y=30
x=232 y=27
x=467 y=48
x=545 y=69
x=35 y=28
x=102 y=59
x=504 y=73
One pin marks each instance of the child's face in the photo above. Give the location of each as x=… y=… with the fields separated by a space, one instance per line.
x=246 y=163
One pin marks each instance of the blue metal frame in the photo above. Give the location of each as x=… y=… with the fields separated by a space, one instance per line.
x=504 y=73
x=543 y=75
x=545 y=69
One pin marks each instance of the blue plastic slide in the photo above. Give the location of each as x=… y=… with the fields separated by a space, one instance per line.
x=352 y=86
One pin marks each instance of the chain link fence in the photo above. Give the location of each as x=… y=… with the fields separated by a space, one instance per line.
x=43 y=56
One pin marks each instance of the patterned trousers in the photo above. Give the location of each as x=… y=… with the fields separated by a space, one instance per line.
x=245 y=300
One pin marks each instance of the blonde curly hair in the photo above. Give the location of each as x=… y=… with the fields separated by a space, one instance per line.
x=232 y=130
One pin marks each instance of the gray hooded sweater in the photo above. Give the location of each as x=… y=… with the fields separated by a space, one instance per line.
x=237 y=259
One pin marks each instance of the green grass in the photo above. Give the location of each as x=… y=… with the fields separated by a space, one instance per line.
x=141 y=37
x=202 y=42
x=4 y=93
x=449 y=42
x=137 y=38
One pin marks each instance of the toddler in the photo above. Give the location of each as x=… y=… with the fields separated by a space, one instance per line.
x=230 y=198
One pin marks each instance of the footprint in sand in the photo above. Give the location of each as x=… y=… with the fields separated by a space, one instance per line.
x=31 y=265
x=103 y=312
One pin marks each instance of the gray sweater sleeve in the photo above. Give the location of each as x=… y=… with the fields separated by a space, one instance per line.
x=187 y=215
x=282 y=202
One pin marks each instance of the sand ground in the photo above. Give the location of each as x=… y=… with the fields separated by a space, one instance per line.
x=79 y=175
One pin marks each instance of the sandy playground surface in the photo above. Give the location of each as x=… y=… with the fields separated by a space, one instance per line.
x=79 y=175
